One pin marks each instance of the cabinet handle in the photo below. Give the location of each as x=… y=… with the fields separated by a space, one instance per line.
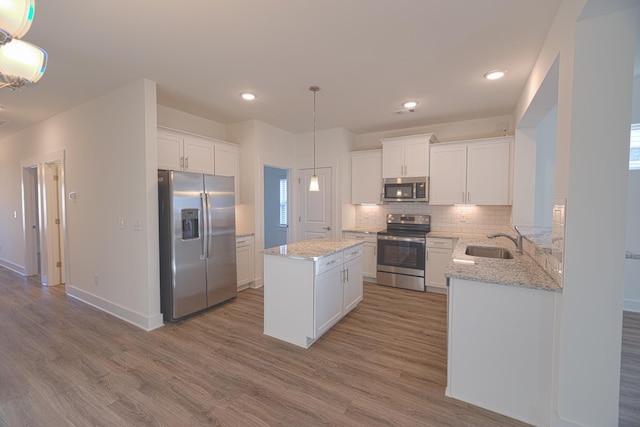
x=375 y=250
x=427 y=256
x=331 y=262
x=181 y=162
x=463 y=200
x=186 y=163
x=468 y=197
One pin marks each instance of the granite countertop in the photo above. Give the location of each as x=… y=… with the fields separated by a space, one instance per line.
x=539 y=236
x=244 y=234
x=521 y=271
x=312 y=249
x=367 y=230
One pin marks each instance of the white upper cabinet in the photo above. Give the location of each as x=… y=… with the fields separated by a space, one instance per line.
x=193 y=153
x=366 y=176
x=474 y=172
x=406 y=156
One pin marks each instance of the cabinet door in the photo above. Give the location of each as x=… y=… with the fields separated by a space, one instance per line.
x=328 y=300
x=488 y=173
x=226 y=160
x=352 y=284
x=437 y=261
x=199 y=156
x=416 y=157
x=366 y=177
x=447 y=182
x=244 y=266
x=392 y=159
x=170 y=152
x=369 y=260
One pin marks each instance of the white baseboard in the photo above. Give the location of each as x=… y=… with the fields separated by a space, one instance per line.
x=257 y=284
x=13 y=267
x=123 y=313
x=631 y=305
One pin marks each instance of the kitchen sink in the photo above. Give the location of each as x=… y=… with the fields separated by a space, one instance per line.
x=489 y=252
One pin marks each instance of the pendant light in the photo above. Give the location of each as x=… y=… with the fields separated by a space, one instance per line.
x=313 y=184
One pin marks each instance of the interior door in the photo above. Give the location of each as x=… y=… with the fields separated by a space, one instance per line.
x=315 y=209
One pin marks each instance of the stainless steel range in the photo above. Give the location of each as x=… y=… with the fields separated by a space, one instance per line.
x=401 y=251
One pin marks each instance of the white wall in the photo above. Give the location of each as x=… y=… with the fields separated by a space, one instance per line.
x=260 y=144
x=111 y=156
x=545 y=161
x=632 y=267
x=592 y=113
x=179 y=120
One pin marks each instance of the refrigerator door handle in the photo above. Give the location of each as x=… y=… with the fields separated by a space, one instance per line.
x=203 y=224
x=209 y=228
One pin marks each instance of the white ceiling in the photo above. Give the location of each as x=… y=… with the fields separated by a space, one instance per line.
x=368 y=56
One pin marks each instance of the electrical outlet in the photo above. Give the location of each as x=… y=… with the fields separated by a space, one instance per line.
x=463 y=218
x=121 y=223
x=95 y=279
x=137 y=225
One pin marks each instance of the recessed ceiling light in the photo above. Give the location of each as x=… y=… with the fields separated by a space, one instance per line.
x=495 y=74
x=410 y=104
x=248 y=96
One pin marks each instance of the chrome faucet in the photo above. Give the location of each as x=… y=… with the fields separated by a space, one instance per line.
x=516 y=240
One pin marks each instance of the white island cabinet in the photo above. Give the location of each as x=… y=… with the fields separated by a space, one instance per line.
x=309 y=286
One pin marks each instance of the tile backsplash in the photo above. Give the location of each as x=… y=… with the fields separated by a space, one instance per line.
x=458 y=219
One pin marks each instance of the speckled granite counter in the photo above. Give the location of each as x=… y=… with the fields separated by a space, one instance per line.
x=311 y=249
x=520 y=271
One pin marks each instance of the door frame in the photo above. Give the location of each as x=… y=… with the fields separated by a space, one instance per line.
x=37 y=191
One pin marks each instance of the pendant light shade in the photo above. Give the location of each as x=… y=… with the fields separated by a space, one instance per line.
x=21 y=63
x=313 y=184
x=16 y=17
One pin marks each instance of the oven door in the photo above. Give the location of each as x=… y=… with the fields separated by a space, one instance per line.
x=401 y=261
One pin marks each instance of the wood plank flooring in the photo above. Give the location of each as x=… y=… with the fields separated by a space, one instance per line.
x=64 y=363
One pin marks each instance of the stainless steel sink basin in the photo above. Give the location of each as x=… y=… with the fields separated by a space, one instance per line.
x=489 y=252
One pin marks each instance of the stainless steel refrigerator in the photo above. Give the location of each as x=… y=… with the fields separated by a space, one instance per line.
x=197 y=242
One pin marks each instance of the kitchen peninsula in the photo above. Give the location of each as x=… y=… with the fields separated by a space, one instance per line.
x=309 y=286
x=501 y=320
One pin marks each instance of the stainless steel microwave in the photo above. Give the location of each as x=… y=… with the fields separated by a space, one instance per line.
x=405 y=189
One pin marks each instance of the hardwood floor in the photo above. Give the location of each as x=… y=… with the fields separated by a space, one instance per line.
x=64 y=363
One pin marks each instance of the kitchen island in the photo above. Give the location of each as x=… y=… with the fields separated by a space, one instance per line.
x=310 y=286
x=501 y=321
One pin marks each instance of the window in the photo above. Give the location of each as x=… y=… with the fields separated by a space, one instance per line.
x=634 y=148
x=283 y=201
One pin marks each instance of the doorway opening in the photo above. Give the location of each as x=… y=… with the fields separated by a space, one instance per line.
x=276 y=206
x=44 y=219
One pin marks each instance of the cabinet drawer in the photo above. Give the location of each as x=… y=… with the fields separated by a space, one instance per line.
x=328 y=262
x=243 y=241
x=365 y=237
x=433 y=242
x=352 y=253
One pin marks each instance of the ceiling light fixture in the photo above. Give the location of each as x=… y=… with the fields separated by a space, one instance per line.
x=313 y=184
x=21 y=63
x=16 y=17
x=248 y=96
x=410 y=104
x=495 y=74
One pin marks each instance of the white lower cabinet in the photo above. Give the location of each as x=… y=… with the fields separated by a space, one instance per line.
x=244 y=261
x=369 y=253
x=439 y=252
x=304 y=298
